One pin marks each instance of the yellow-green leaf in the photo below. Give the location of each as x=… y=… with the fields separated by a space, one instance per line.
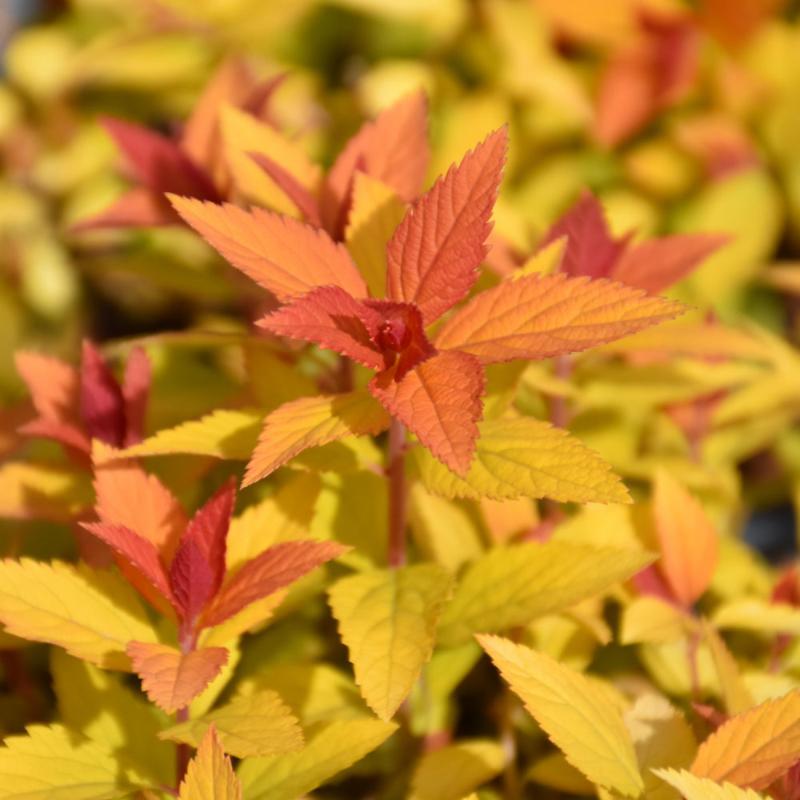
x=50 y=763
x=588 y=729
x=454 y=771
x=254 y=724
x=210 y=775
x=387 y=619
x=42 y=491
x=331 y=748
x=311 y=422
x=92 y=615
x=693 y=788
x=735 y=694
x=513 y=585
x=526 y=458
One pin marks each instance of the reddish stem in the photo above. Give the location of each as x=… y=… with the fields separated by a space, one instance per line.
x=187 y=638
x=396 y=474
x=559 y=413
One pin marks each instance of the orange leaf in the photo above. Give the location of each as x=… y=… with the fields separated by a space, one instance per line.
x=136 y=391
x=173 y=679
x=392 y=148
x=434 y=255
x=544 y=316
x=137 y=551
x=440 y=402
x=269 y=571
x=311 y=422
x=754 y=748
x=53 y=385
x=281 y=254
x=657 y=264
x=689 y=542
x=127 y=495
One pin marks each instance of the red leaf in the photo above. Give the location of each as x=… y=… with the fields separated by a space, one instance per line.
x=191 y=578
x=102 y=403
x=392 y=148
x=137 y=551
x=306 y=202
x=281 y=254
x=400 y=336
x=591 y=250
x=434 y=255
x=61 y=432
x=137 y=208
x=440 y=402
x=135 y=391
x=331 y=318
x=657 y=264
x=273 y=569
x=209 y=528
x=158 y=162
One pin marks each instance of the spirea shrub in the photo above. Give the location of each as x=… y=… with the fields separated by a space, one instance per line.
x=393 y=396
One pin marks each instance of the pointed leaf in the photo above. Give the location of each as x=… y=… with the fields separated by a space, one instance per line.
x=279 y=253
x=255 y=724
x=302 y=197
x=735 y=694
x=591 y=250
x=91 y=615
x=43 y=491
x=514 y=585
x=544 y=316
x=50 y=763
x=388 y=619
x=526 y=458
x=128 y=496
x=52 y=383
x=102 y=403
x=657 y=264
x=689 y=543
x=693 y=788
x=139 y=552
x=158 y=162
x=436 y=250
x=754 y=748
x=311 y=422
x=451 y=772
x=588 y=729
x=210 y=775
x=393 y=148
x=136 y=391
x=137 y=208
x=333 y=319
x=442 y=412
x=173 y=679
x=273 y=569
x=191 y=578
x=332 y=748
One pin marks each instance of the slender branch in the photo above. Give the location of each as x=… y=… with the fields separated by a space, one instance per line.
x=395 y=473
x=187 y=638
x=559 y=412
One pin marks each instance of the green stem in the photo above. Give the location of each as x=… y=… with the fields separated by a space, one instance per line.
x=395 y=473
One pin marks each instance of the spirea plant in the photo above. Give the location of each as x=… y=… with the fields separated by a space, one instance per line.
x=421 y=501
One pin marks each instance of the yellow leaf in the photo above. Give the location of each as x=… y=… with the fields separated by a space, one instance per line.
x=388 y=619
x=331 y=748
x=443 y=530
x=505 y=518
x=171 y=678
x=210 y=775
x=757 y=615
x=555 y=772
x=688 y=540
x=661 y=738
x=753 y=748
x=96 y=703
x=250 y=725
x=649 y=619
x=242 y=134
x=91 y=615
x=587 y=728
x=693 y=788
x=735 y=693
x=224 y=433
x=543 y=262
x=526 y=458
x=43 y=491
x=50 y=763
x=375 y=213
x=455 y=770
x=513 y=585
x=311 y=422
